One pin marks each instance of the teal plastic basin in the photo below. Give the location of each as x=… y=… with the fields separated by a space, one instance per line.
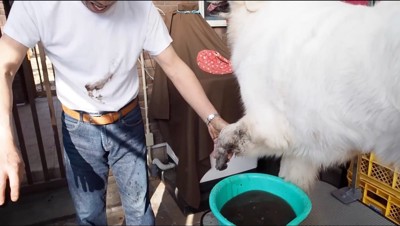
x=232 y=186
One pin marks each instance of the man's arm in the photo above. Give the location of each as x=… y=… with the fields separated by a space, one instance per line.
x=189 y=87
x=12 y=54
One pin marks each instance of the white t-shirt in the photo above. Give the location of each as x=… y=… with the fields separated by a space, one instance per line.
x=94 y=55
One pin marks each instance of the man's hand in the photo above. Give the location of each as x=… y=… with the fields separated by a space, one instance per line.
x=11 y=169
x=12 y=54
x=215 y=127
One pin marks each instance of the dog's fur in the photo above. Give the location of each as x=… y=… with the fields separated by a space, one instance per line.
x=320 y=82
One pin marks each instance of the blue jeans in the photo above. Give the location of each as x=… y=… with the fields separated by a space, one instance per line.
x=90 y=151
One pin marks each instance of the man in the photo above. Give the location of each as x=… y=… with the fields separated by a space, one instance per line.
x=94 y=46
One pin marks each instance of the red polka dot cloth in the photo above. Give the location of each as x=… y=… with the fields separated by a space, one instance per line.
x=358 y=2
x=212 y=62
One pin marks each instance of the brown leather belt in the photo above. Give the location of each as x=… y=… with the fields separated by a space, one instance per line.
x=101 y=118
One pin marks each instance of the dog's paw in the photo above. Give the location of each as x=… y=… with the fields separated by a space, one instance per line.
x=222 y=160
x=232 y=140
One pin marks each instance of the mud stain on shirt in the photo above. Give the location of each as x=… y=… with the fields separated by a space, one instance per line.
x=93 y=89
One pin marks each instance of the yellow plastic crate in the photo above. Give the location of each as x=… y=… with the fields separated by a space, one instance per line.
x=380 y=185
x=382 y=176
x=383 y=202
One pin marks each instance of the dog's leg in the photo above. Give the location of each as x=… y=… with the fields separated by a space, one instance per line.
x=299 y=171
x=234 y=138
x=256 y=135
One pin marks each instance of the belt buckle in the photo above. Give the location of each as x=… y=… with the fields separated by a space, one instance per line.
x=91 y=118
x=97 y=114
x=93 y=115
x=111 y=116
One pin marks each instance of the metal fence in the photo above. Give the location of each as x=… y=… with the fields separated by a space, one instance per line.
x=36 y=112
x=36 y=124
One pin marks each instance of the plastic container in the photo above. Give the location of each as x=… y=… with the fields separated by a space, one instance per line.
x=382 y=202
x=232 y=186
x=380 y=186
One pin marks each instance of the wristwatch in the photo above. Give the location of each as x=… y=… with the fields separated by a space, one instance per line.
x=210 y=117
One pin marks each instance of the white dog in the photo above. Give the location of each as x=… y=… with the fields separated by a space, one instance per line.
x=320 y=82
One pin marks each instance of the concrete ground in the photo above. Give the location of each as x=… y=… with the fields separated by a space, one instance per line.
x=55 y=208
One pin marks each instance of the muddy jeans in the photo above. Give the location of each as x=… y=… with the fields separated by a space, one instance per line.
x=90 y=151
